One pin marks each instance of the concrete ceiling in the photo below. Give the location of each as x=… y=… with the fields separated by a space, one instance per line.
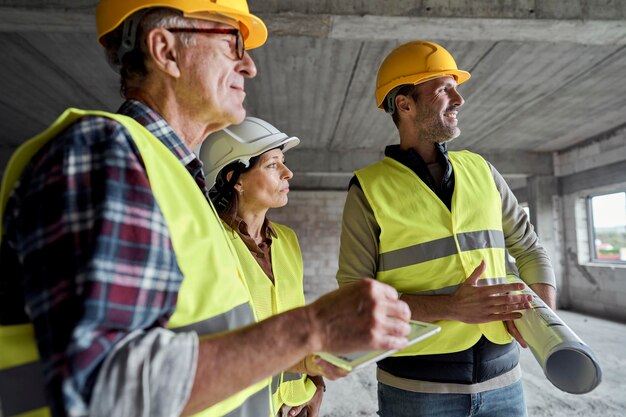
x=546 y=75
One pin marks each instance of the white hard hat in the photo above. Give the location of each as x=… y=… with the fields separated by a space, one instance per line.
x=239 y=143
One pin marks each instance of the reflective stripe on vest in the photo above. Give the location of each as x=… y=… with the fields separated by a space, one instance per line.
x=425 y=248
x=254 y=403
x=286 y=377
x=292 y=389
x=270 y=298
x=200 y=244
x=440 y=248
x=21 y=378
x=237 y=317
x=17 y=380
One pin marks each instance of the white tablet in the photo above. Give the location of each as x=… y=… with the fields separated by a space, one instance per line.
x=352 y=361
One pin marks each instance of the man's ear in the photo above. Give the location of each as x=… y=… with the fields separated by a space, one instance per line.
x=403 y=104
x=161 y=46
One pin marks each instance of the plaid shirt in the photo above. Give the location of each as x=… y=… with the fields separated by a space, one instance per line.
x=88 y=250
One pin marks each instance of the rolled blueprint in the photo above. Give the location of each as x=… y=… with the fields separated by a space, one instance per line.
x=568 y=363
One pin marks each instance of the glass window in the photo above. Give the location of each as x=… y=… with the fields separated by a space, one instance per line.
x=608 y=227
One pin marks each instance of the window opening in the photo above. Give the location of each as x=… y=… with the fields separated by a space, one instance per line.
x=608 y=227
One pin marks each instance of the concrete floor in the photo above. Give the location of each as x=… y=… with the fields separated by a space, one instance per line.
x=355 y=395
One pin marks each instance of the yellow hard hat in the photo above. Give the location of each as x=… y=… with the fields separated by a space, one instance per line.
x=414 y=63
x=111 y=13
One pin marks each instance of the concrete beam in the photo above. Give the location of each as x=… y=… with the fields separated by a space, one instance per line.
x=357 y=27
x=521 y=164
x=509 y=9
x=479 y=29
x=606 y=175
x=603 y=149
x=524 y=9
x=320 y=163
x=18 y=19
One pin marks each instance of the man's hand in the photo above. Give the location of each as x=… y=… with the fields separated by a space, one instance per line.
x=475 y=304
x=366 y=315
x=363 y=316
x=547 y=293
x=513 y=331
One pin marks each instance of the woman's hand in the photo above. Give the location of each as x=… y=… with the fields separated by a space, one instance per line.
x=312 y=407
x=299 y=411
x=315 y=365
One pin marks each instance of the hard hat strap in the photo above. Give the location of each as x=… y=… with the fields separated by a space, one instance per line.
x=390 y=100
x=129 y=33
x=220 y=198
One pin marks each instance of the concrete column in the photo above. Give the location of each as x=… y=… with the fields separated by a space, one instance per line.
x=544 y=216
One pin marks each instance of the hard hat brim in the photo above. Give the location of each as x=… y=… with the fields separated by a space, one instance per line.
x=287 y=142
x=257 y=31
x=252 y=27
x=459 y=75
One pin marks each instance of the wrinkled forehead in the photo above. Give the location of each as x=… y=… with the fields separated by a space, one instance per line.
x=443 y=80
x=447 y=80
x=211 y=20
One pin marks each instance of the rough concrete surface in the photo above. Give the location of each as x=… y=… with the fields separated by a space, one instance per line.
x=355 y=395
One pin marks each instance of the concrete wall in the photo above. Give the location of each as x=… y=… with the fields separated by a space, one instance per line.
x=588 y=287
x=315 y=216
x=597 y=166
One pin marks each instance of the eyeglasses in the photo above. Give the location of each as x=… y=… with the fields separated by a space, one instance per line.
x=240 y=48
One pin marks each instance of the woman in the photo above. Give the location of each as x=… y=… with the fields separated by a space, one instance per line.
x=246 y=166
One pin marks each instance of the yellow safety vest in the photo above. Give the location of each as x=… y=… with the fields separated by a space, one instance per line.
x=269 y=299
x=213 y=296
x=425 y=248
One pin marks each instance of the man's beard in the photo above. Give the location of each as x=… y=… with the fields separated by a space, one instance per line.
x=436 y=131
x=442 y=135
x=432 y=128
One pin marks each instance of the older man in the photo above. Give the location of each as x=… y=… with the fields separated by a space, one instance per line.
x=455 y=212
x=114 y=261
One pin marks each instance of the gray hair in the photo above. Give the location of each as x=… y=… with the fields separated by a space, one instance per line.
x=131 y=63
